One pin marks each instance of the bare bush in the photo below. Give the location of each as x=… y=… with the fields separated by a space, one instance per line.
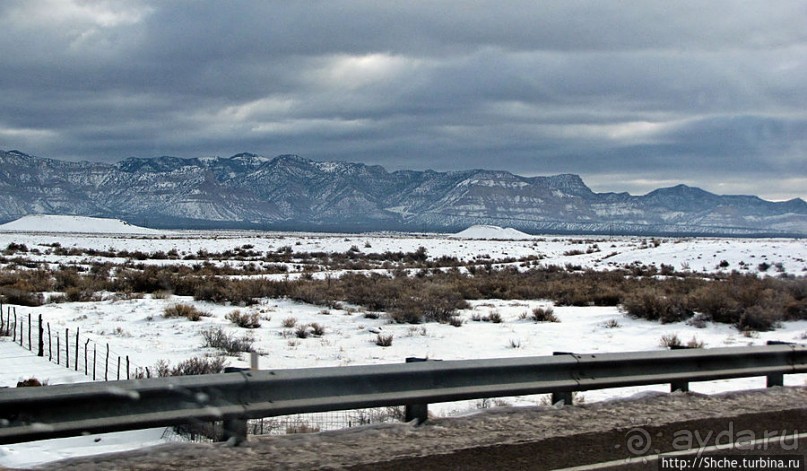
x=317 y=330
x=216 y=337
x=302 y=332
x=695 y=343
x=383 y=340
x=611 y=324
x=541 y=314
x=652 y=304
x=192 y=366
x=31 y=382
x=670 y=341
x=184 y=310
x=245 y=320
x=456 y=321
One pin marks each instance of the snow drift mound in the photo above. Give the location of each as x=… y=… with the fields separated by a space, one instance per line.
x=82 y=224
x=491 y=232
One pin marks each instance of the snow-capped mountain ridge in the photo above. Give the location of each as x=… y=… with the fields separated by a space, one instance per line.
x=291 y=192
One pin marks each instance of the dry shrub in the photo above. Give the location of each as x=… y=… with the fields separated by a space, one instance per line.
x=383 y=340
x=218 y=338
x=161 y=294
x=455 y=321
x=670 y=341
x=30 y=382
x=437 y=303
x=751 y=303
x=245 y=320
x=21 y=297
x=695 y=343
x=75 y=294
x=312 y=293
x=302 y=332
x=541 y=314
x=759 y=319
x=612 y=324
x=653 y=305
x=317 y=330
x=192 y=366
x=184 y=310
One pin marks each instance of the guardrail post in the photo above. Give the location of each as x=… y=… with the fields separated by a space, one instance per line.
x=234 y=431
x=777 y=379
x=562 y=396
x=419 y=411
x=682 y=386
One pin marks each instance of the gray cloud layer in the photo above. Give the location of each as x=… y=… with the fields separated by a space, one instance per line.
x=632 y=95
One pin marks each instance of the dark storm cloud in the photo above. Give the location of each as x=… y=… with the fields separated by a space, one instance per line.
x=631 y=95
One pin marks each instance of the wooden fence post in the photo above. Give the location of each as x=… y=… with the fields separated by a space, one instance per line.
x=94 y=356
x=127 y=366
x=106 y=364
x=77 y=332
x=50 y=345
x=67 y=347
x=30 y=347
x=41 y=344
x=86 y=363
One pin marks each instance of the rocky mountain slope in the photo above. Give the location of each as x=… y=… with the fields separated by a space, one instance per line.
x=290 y=192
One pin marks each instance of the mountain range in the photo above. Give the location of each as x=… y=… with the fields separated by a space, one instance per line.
x=293 y=193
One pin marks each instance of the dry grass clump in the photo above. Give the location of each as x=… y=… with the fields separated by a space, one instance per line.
x=612 y=324
x=184 y=310
x=216 y=337
x=192 y=366
x=670 y=341
x=544 y=314
x=695 y=343
x=433 y=304
x=383 y=340
x=302 y=332
x=317 y=330
x=245 y=320
x=456 y=321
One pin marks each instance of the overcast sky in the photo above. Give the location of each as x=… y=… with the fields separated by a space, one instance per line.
x=631 y=95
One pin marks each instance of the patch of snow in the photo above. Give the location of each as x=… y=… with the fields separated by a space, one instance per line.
x=492 y=232
x=73 y=224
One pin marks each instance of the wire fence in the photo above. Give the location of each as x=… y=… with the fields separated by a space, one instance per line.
x=68 y=347
x=292 y=424
x=98 y=361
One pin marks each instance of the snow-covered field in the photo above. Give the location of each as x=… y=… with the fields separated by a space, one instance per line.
x=137 y=328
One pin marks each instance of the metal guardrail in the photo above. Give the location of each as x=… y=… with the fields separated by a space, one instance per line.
x=66 y=410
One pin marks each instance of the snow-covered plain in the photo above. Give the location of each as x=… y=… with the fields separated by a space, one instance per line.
x=137 y=328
